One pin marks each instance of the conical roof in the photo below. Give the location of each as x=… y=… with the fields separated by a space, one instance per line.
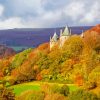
x=55 y=37
x=66 y=31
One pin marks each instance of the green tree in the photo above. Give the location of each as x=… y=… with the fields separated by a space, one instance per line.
x=74 y=46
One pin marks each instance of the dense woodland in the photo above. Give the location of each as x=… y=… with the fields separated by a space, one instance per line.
x=77 y=62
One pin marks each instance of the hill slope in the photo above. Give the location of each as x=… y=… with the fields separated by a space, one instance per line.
x=72 y=63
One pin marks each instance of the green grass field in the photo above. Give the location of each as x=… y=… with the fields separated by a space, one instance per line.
x=20 y=88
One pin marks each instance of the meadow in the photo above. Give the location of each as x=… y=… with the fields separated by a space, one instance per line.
x=20 y=88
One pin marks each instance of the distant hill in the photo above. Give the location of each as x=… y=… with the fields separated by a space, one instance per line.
x=6 y=52
x=28 y=37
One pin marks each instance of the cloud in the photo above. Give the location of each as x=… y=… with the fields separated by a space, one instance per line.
x=1 y=9
x=54 y=4
x=75 y=10
x=18 y=22
x=93 y=14
x=11 y=23
x=24 y=7
x=48 y=13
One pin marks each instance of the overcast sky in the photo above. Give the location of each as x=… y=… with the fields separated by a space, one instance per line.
x=48 y=13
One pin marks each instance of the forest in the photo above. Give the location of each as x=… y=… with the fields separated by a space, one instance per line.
x=76 y=63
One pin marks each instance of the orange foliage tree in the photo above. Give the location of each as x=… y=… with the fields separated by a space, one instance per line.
x=79 y=79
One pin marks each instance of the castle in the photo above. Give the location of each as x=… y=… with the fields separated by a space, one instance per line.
x=64 y=35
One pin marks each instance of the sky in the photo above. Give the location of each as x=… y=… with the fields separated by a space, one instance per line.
x=48 y=13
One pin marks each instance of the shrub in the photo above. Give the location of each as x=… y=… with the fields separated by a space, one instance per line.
x=46 y=88
x=37 y=95
x=12 y=81
x=55 y=88
x=51 y=89
x=90 y=85
x=82 y=95
x=6 y=94
x=31 y=95
x=64 y=90
x=95 y=75
x=99 y=96
x=55 y=96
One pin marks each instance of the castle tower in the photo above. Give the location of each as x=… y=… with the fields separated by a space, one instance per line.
x=53 y=40
x=61 y=32
x=70 y=32
x=64 y=36
x=82 y=34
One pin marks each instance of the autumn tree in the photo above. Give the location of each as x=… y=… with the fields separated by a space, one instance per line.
x=73 y=46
